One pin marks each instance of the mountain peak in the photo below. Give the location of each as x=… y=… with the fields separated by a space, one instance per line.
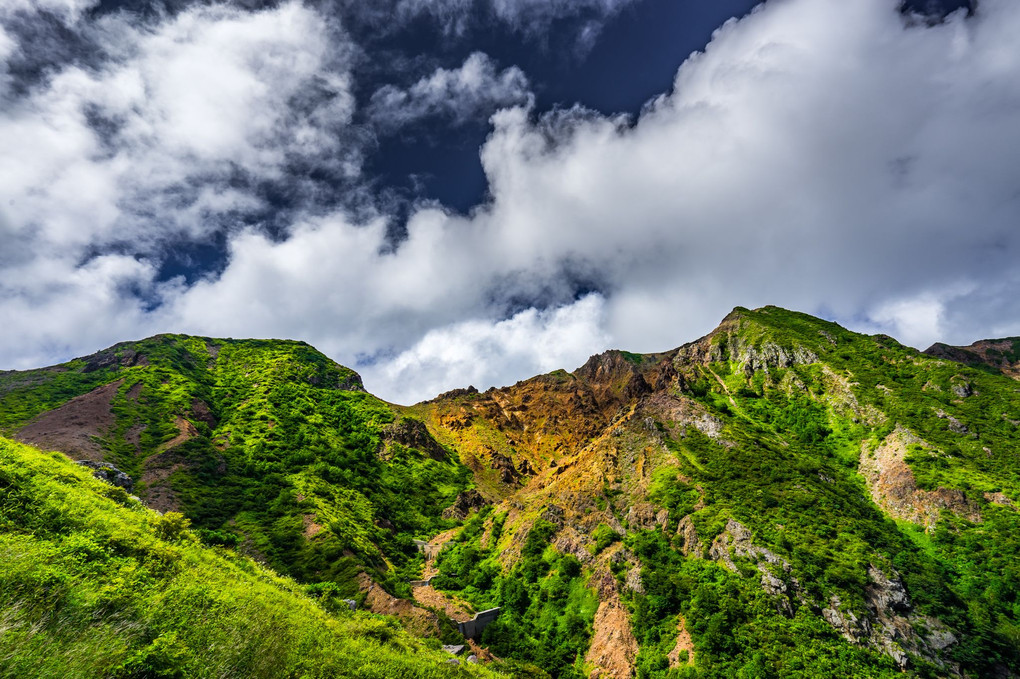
x=994 y=355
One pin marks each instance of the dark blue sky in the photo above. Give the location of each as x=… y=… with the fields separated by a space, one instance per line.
x=634 y=59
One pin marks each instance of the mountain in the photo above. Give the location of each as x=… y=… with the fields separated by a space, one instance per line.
x=782 y=497
x=1000 y=355
x=266 y=446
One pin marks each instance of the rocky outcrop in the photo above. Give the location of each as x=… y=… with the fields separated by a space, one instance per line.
x=646 y=516
x=736 y=541
x=467 y=501
x=104 y=471
x=1000 y=354
x=893 y=487
x=687 y=537
x=728 y=343
x=116 y=356
x=413 y=433
x=890 y=625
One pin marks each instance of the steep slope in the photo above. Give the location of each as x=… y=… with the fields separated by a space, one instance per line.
x=780 y=498
x=92 y=584
x=264 y=445
x=997 y=355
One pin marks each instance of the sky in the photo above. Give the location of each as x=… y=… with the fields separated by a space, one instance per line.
x=440 y=193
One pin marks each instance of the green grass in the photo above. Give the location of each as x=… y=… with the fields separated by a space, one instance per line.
x=284 y=437
x=94 y=585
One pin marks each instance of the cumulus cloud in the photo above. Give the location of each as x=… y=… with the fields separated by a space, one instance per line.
x=169 y=135
x=821 y=155
x=470 y=92
x=528 y=343
x=155 y=141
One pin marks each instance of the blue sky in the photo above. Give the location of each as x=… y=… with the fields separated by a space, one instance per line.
x=450 y=192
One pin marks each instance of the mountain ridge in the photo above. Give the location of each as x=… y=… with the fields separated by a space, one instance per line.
x=778 y=495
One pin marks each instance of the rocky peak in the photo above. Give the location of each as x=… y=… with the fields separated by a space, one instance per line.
x=1002 y=355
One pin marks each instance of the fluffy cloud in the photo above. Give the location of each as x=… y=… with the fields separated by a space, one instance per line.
x=472 y=91
x=177 y=114
x=821 y=155
x=530 y=342
x=168 y=136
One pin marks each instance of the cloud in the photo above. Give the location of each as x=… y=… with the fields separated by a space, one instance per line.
x=820 y=155
x=173 y=133
x=156 y=141
x=481 y=352
x=471 y=92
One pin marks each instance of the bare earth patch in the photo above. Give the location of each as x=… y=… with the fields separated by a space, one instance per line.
x=613 y=646
x=893 y=487
x=75 y=427
x=683 y=643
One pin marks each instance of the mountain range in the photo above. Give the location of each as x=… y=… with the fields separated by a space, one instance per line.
x=780 y=498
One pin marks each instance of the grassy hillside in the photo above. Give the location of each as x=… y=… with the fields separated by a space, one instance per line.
x=267 y=446
x=92 y=584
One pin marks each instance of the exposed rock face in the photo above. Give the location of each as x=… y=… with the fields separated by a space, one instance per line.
x=465 y=502
x=508 y=473
x=613 y=646
x=999 y=498
x=1001 y=354
x=414 y=434
x=645 y=516
x=104 y=471
x=114 y=356
x=738 y=539
x=690 y=542
x=893 y=487
x=726 y=343
x=613 y=378
x=890 y=625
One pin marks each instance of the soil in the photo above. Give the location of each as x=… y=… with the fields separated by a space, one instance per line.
x=894 y=488
x=683 y=643
x=613 y=646
x=75 y=427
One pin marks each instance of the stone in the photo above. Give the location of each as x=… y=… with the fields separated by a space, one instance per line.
x=104 y=471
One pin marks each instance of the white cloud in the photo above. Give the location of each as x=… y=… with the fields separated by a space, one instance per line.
x=187 y=103
x=482 y=352
x=820 y=155
x=470 y=92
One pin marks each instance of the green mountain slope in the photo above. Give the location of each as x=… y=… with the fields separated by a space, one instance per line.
x=92 y=584
x=264 y=445
x=781 y=498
